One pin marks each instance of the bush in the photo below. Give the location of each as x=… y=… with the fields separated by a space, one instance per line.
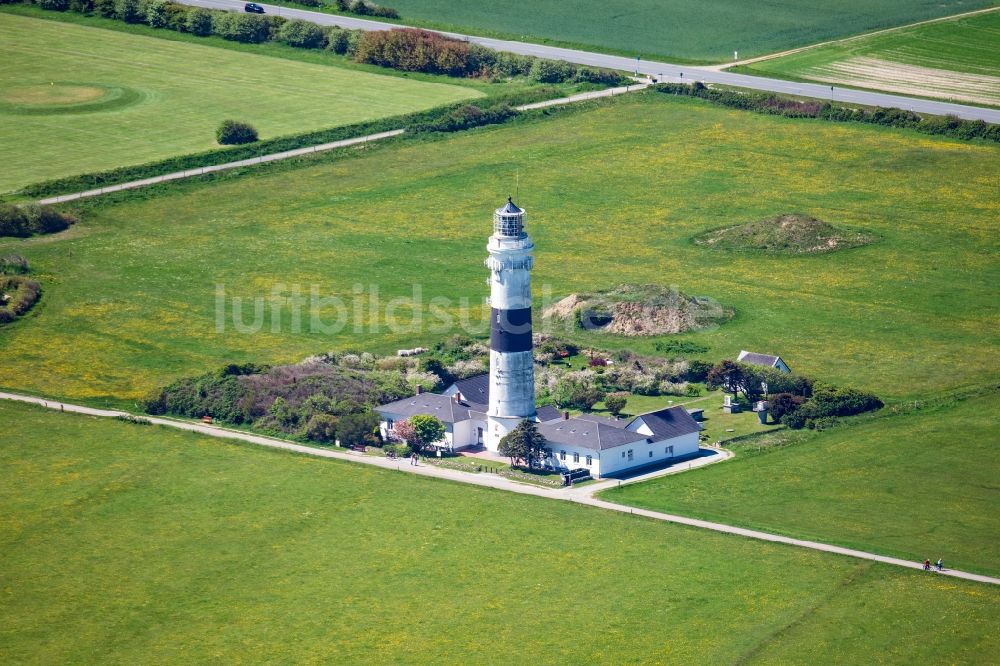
x=129 y=11
x=302 y=34
x=234 y=132
x=399 y=450
x=30 y=220
x=552 y=71
x=466 y=117
x=199 y=22
x=415 y=51
x=605 y=77
x=106 y=8
x=54 y=5
x=156 y=14
x=17 y=295
x=828 y=402
x=177 y=16
x=13 y=264
x=246 y=28
x=337 y=39
x=322 y=428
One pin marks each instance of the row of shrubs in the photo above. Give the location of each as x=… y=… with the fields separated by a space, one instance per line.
x=24 y=221
x=356 y=7
x=891 y=117
x=822 y=409
x=406 y=49
x=17 y=293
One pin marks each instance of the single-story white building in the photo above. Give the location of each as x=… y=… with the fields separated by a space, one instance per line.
x=602 y=445
x=767 y=360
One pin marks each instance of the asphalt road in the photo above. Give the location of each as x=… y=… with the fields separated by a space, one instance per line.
x=665 y=71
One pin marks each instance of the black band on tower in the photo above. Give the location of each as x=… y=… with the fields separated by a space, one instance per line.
x=510 y=330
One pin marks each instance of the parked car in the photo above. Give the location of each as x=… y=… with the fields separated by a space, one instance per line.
x=253 y=8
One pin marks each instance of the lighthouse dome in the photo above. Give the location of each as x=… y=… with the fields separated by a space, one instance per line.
x=508 y=221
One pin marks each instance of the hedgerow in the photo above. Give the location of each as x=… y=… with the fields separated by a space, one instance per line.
x=789 y=108
x=24 y=221
x=17 y=295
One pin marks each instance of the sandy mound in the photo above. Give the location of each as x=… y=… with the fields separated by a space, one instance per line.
x=790 y=234
x=633 y=310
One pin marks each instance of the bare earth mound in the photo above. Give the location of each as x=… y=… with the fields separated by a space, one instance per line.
x=633 y=310
x=791 y=234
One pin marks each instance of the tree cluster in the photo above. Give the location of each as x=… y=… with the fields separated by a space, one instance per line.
x=235 y=132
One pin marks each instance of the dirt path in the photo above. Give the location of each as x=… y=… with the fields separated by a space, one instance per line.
x=780 y=54
x=584 y=495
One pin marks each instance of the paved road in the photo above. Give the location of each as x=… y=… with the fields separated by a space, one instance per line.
x=582 y=495
x=667 y=71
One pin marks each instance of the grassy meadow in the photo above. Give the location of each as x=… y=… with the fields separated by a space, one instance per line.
x=686 y=30
x=100 y=99
x=122 y=543
x=916 y=485
x=614 y=193
x=959 y=59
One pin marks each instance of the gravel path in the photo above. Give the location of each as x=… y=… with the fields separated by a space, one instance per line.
x=584 y=495
x=284 y=155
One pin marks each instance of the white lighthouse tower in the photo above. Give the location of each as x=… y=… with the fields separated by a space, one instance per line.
x=512 y=373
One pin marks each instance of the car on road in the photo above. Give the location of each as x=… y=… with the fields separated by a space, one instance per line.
x=253 y=8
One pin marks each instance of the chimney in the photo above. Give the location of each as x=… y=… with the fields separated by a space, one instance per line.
x=458 y=398
x=420 y=389
x=565 y=416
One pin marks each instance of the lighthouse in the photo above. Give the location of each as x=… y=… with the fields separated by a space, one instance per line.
x=512 y=374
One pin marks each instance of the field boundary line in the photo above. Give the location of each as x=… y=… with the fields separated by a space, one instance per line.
x=781 y=54
x=307 y=150
x=491 y=481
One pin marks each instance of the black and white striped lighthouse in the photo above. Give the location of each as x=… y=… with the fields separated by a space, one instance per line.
x=512 y=375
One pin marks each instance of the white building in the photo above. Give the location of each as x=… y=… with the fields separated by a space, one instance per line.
x=602 y=445
x=766 y=360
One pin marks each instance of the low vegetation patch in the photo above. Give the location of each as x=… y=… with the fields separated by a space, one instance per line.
x=24 y=221
x=952 y=126
x=358 y=8
x=634 y=310
x=784 y=234
x=17 y=292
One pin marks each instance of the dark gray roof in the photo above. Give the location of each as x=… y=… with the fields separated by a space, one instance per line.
x=670 y=422
x=549 y=413
x=442 y=406
x=476 y=388
x=754 y=358
x=606 y=420
x=587 y=434
x=510 y=208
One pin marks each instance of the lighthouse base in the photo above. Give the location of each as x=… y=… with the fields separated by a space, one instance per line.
x=498 y=426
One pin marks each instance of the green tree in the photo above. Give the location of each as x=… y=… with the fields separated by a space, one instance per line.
x=525 y=443
x=427 y=429
x=233 y=132
x=358 y=429
x=615 y=402
x=322 y=428
x=302 y=34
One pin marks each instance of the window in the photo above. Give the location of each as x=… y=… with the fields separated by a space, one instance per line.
x=590 y=460
x=623 y=454
x=669 y=450
x=631 y=455
x=389 y=424
x=562 y=455
x=576 y=457
x=650 y=453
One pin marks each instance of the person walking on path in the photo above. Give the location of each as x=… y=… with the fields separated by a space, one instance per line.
x=413 y=458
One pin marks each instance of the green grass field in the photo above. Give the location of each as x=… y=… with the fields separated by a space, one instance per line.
x=614 y=195
x=679 y=29
x=964 y=52
x=99 y=99
x=917 y=485
x=122 y=543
